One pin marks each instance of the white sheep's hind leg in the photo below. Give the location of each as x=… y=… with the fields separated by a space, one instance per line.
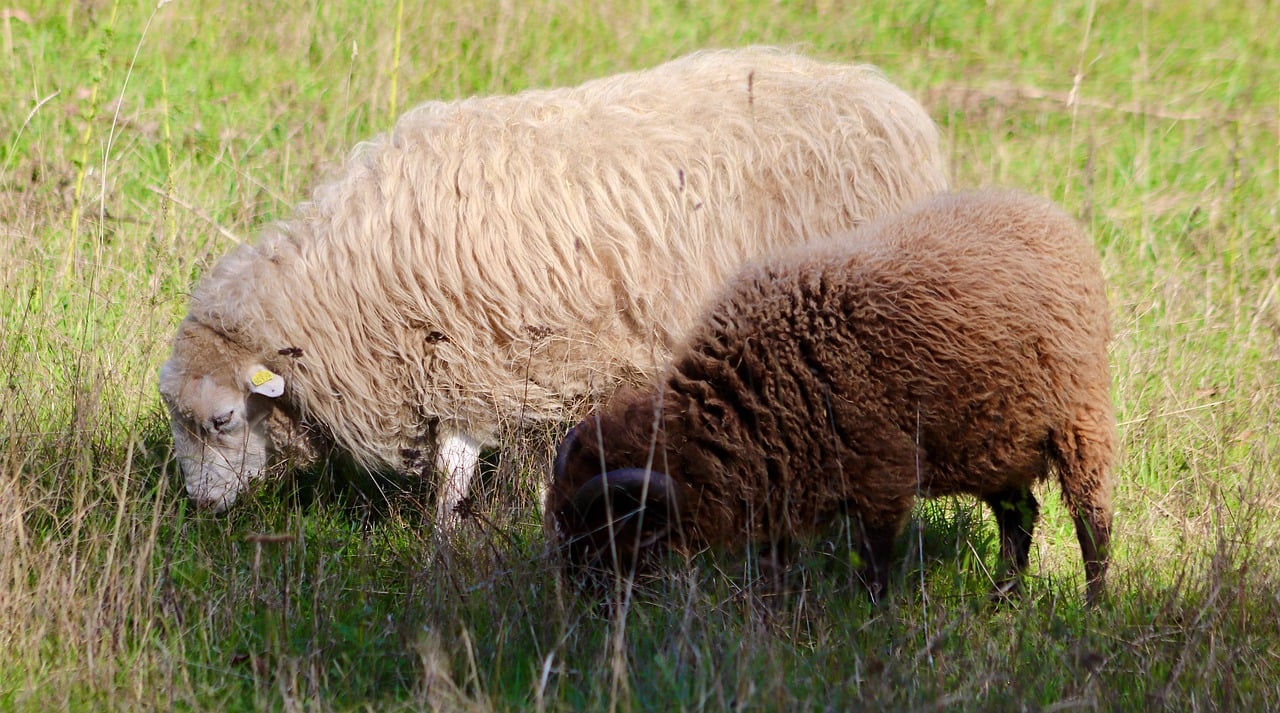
x=457 y=459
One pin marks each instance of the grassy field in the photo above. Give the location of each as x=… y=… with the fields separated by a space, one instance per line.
x=139 y=142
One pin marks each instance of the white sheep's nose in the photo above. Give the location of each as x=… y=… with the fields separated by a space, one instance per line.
x=214 y=503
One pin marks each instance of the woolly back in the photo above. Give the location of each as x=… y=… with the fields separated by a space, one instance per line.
x=961 y=283
x=500 y=260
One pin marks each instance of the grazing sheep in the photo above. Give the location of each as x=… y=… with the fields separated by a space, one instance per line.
x=960 y=347
x=500 y=262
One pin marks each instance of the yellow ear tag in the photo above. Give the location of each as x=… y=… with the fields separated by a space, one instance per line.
x=267 y=383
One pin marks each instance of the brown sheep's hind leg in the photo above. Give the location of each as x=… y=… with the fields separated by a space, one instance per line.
x=1094 y=532
x=1016 y=511
x=1084 y=454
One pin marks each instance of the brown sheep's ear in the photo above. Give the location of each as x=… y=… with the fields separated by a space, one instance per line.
x=568 y=449
x=634 y=507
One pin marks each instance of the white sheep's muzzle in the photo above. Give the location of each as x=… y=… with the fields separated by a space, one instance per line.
x=217 y=469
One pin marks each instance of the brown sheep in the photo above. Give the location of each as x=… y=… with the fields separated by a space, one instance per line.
x=957 y=348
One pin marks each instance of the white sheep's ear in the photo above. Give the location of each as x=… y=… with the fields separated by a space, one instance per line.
x=266 y=382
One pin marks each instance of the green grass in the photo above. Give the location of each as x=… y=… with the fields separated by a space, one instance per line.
x=139 y=142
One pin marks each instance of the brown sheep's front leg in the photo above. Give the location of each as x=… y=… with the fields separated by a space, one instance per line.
x=774 y=563
x=876 y=551
x=1016 y=511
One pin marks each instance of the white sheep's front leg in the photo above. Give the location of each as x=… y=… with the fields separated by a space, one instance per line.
x=457 y=458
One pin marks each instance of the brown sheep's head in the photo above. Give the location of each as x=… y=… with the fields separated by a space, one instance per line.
x=227 y=414
x=607 y=513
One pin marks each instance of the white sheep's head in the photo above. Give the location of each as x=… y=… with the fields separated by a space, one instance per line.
x=224 y=405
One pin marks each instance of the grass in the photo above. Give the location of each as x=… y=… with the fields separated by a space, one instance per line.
x=139 y=142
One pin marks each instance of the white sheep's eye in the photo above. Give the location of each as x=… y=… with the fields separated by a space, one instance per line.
x=222 y=421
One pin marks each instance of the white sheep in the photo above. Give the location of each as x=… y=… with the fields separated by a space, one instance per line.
x=500 y=262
